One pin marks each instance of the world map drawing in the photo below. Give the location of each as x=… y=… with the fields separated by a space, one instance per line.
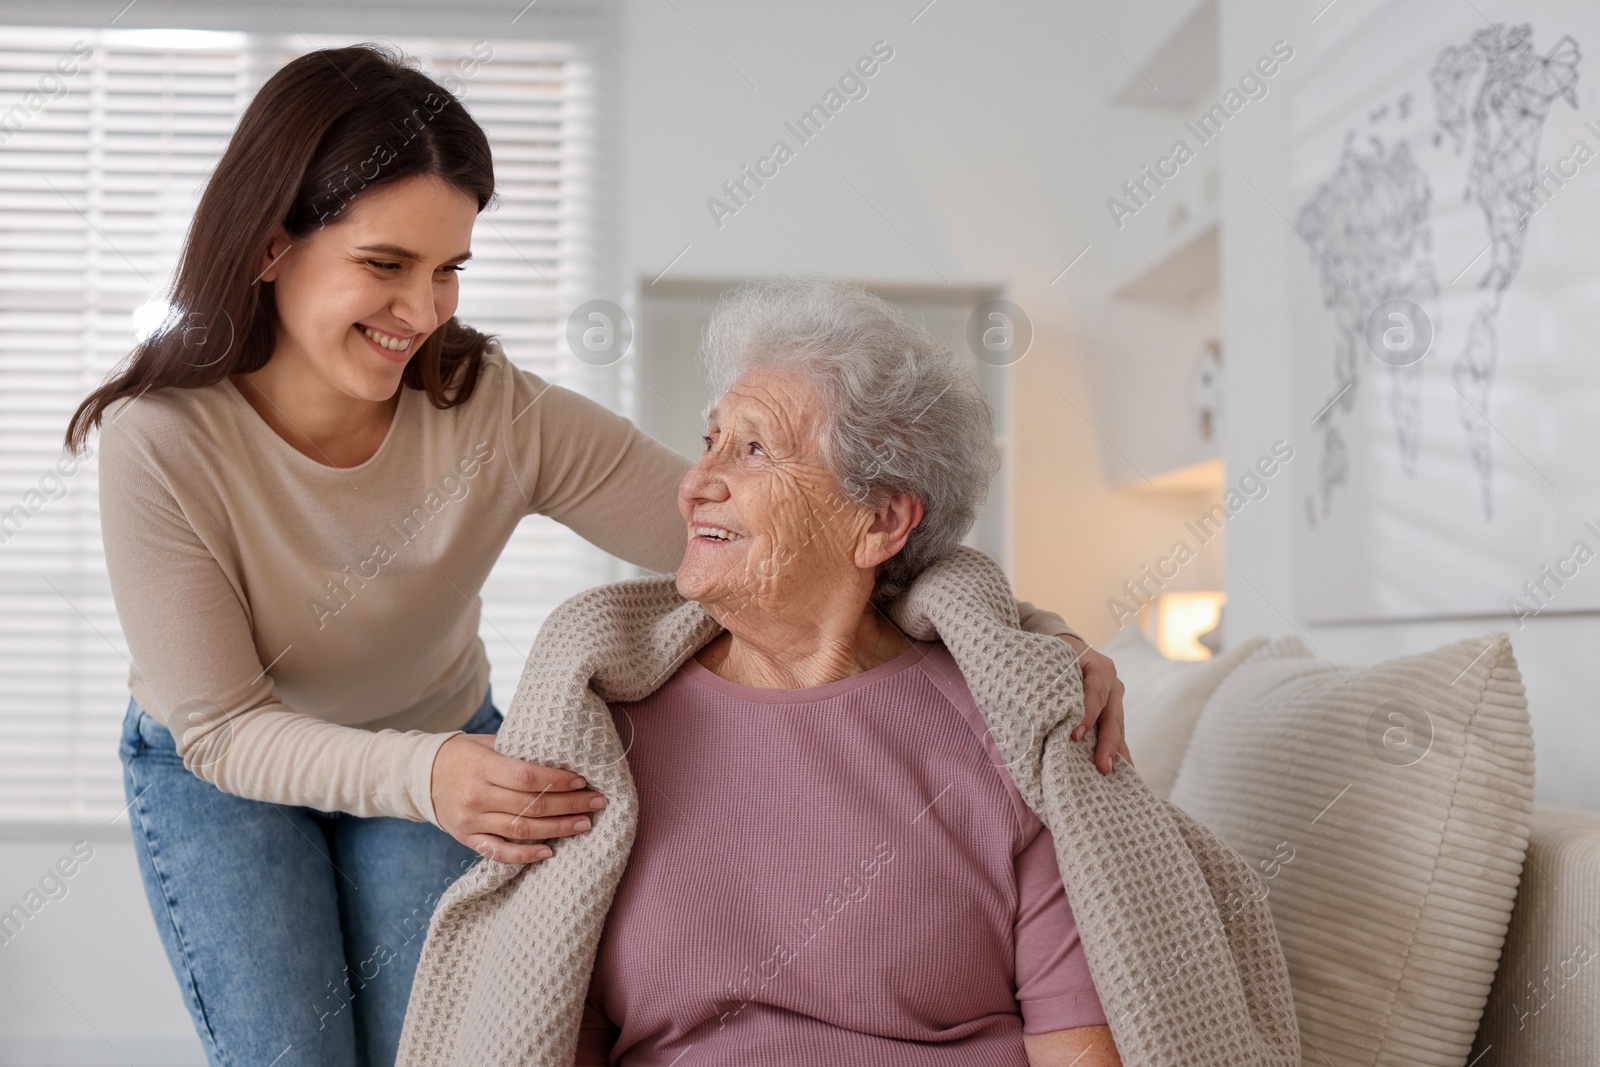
x=1371 y=231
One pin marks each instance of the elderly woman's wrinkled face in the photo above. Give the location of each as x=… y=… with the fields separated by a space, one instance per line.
x=768 y=522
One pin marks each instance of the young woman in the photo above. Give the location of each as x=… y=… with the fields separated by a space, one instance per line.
x=305 y=478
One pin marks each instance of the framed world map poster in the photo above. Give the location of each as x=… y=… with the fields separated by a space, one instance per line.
x=1445 y=172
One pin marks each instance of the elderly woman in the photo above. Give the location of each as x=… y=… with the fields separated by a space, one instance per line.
x=832 y=862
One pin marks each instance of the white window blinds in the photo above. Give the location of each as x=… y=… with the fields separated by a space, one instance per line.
x=106 y=138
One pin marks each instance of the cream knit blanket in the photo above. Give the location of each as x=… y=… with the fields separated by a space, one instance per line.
x=1174 y=924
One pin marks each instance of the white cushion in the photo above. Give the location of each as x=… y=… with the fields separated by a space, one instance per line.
x=1138 y=660
x=1390 y=857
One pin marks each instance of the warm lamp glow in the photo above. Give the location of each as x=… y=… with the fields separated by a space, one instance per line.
x=1181 y=618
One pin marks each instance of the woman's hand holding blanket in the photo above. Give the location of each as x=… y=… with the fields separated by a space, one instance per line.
x=1102 y=705
x=501 y=807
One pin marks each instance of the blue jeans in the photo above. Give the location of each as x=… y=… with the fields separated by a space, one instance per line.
x=294 y=933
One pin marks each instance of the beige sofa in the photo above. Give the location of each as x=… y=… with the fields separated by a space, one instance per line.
x=1545 y=1004
x=1430 y=912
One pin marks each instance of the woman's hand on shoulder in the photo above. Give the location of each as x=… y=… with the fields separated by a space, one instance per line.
x=502 y=807
x=1102 y=705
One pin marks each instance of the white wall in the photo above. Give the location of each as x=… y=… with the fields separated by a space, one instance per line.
x=85 y=981
x=1556 y=654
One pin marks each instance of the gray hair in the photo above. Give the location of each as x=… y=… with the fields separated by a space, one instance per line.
x=903 y=414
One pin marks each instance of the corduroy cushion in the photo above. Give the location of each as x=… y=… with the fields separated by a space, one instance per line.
x=1163 y=701
x=1139 y=660
x=1386 y=810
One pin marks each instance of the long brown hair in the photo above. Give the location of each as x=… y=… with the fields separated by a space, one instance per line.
x=324 y=129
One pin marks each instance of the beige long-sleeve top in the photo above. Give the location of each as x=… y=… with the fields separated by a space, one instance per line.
x=309 y=633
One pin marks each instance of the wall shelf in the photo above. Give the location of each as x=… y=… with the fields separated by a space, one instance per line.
x=1207 y=477
x=1189 y=269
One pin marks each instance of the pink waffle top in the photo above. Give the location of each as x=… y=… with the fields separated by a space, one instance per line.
x=838 y=874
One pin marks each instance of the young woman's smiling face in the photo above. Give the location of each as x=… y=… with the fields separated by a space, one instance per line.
x=356 y=298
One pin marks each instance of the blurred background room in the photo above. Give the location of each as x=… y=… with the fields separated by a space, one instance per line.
x=1172 y=237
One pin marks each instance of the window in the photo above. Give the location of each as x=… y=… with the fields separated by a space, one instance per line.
x=106 y=139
